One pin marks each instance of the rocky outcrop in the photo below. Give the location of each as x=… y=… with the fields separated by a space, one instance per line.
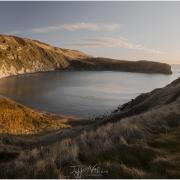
x=142 y=66
x=22 y=55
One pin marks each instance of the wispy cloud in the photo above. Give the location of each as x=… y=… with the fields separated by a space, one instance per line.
x=114 y=42
x=70 y=27
x=77 y=26
x=15 y=32
x=93 y=42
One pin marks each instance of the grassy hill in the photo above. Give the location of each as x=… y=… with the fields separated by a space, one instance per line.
x=17 y=119
x=22 y=55
x=141 y=139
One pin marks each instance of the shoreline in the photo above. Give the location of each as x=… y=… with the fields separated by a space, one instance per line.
x=62 y=71
x=83 y=70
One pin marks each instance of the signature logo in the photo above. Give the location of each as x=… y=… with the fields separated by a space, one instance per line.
x=79 y=171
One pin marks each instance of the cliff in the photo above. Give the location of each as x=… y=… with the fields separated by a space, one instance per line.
x=141 y=66
x=22 y=55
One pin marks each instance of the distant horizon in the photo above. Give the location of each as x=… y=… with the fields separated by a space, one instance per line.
x=129 y=31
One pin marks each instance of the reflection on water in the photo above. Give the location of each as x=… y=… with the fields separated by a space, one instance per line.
x=84 y=94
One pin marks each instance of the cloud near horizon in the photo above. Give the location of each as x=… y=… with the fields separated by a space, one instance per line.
x=93 y=42
x=77 y=26
x=114 y=42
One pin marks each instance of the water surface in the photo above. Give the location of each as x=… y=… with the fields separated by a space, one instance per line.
x=84 y=94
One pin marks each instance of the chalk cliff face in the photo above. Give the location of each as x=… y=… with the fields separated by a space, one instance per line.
x=22 y=55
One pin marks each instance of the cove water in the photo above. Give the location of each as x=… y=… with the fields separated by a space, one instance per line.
x=85 y=94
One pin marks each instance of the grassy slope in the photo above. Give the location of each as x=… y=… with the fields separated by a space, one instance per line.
x=18 y=119
x=21 y=55
x=145 y=144
x=132 y=141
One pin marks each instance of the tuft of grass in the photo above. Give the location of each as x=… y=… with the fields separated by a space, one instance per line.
x=17 y=119
x=145 y=145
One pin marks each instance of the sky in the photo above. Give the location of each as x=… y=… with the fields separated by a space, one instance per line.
x=120 y=30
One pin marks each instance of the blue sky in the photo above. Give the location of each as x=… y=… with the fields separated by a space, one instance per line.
x=121 y=30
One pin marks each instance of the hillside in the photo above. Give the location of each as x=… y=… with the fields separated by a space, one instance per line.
x=18 y=55
x=142 y=66
x=17 y=119
x=148 y=101
x=22 y=55
x=140 y=139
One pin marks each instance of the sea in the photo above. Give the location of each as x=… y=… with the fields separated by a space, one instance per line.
x=85 y=94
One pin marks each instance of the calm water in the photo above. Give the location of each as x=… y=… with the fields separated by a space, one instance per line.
x=84 y=94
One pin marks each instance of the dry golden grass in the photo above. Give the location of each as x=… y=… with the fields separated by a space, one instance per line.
x=149 y=148
x=141 y=145
x=18 y=119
